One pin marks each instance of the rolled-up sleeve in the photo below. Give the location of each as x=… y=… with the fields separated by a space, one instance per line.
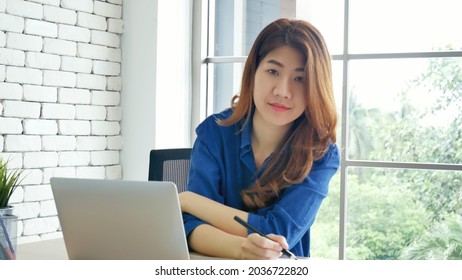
x=204 y=179
x=296 y=209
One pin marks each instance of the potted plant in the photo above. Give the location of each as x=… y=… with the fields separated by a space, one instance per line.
x=9 y=181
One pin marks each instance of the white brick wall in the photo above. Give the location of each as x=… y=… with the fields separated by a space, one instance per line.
x=12 y=57
x=18 y=195
x=74 y=127
x=42 y=28
x=74 y=33
x=114 y=114
x=41 y=127
x=10 y=91
x=23 y=42
x=105 y=128
x=24 y=9
x=91 y=81
x=74 y=158
x=23 y=75
x=11 y=23
x=114 y=55
x=92 y=51
x=88 y=112
x=2 y=38
x=106 y=68
x=108 y=10
x=21 y=109
x=10 y=126
x=40 y=159
x=59 y=15
x=48 y=208
x=48 y=2
x=97 y=172
x=114 y=142
x=59 y=78
x=58 y=143
x=91 y=21
x=115 y=25
x=40 y=93
x=108 y=98
x=105 y=38
x=114 y=83
x=57 y=46
x=81 y=5
x=91 y=143
x=75 y=64
x=74 y=96
x=114 y=172
x=60 y=111
x=43 y=61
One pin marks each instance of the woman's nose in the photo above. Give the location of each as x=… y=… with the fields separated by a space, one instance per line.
x=283 y=89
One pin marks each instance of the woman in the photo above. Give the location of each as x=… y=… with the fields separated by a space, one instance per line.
x=269 y=158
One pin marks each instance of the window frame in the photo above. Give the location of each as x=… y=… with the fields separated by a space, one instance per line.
x=203 y=99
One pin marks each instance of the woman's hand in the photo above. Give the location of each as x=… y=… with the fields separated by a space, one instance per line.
x=230 y=236
x=257 y=247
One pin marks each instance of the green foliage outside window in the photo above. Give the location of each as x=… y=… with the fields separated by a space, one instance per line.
x=402 y=213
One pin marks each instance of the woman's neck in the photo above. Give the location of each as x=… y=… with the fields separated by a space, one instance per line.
x=265 y=138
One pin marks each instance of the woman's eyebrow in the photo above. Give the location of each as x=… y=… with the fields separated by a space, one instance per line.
x=275 y=62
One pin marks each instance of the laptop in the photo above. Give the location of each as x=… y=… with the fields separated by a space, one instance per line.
x=120 y=220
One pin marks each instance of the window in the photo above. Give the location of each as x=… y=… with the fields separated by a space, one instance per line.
x=396 y=68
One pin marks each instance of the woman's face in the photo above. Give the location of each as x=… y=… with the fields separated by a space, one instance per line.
x=279 y=92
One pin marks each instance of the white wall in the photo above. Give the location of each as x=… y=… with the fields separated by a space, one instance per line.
x=139 y=86
x=67 y=99
x=156 y=95
x=173 y=76
x=60 y=92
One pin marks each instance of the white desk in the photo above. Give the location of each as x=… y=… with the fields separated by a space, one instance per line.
x=55 y=249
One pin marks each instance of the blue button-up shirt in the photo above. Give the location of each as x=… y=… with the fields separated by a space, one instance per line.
x=223 y=164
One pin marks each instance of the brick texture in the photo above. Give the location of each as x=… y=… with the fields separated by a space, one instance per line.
x=60 y=111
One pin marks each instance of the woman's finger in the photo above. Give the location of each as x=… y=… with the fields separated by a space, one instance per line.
x=281 y=240
x=259 y=247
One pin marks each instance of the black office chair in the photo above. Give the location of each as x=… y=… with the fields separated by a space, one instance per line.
x=170 y=165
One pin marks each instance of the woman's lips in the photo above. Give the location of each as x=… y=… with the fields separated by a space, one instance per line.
x=278 y=107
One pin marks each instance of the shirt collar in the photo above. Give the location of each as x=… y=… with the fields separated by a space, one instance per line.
x=246 y=137
x=246 y=153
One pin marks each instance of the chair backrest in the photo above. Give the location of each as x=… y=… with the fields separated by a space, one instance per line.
x=170 y=165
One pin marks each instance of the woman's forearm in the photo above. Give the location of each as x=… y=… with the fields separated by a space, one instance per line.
x=210 y=241
x=214 y=213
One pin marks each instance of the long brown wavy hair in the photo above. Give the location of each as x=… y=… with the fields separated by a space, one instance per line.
x=311 y=133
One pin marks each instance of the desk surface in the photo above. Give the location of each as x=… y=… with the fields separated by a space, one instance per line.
x=55 y=249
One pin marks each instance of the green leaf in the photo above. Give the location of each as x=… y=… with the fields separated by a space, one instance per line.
x=9 y=181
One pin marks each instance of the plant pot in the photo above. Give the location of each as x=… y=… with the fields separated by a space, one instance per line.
x=8 y=233
x=6 y=210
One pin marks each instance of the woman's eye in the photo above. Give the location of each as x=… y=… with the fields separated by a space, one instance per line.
x=273 y=72
x=299 y=79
